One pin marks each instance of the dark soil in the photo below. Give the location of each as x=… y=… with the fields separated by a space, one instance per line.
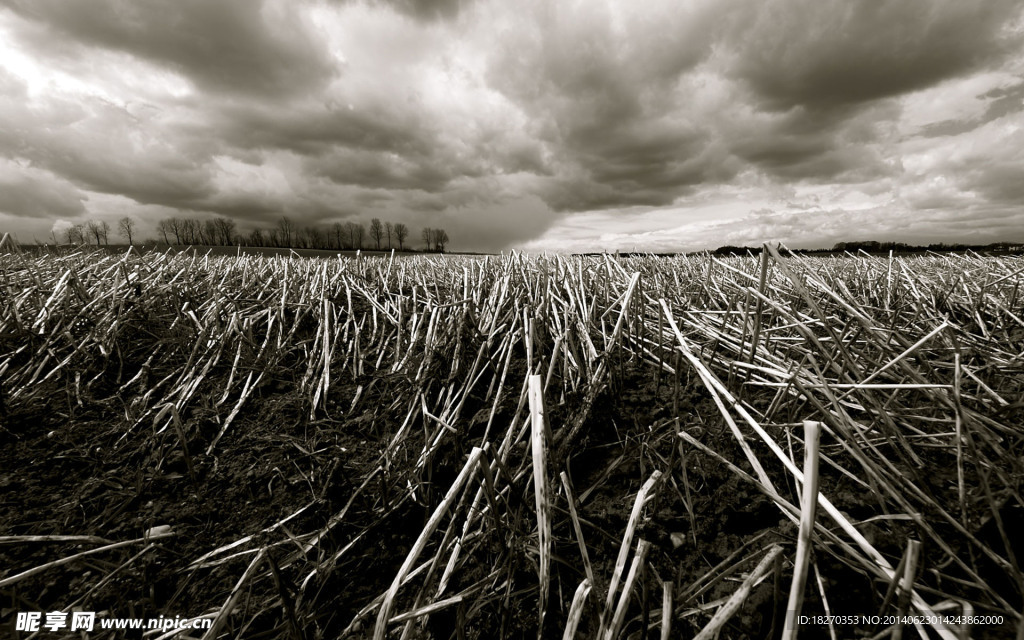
x=72 y=469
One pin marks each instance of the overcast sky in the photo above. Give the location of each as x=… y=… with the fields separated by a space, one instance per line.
x=586 y=125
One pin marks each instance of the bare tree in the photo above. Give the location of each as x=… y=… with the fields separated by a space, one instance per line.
x=164 y=228
x=286 y=231
x=205 y=232
x=440 y=240
x=75 y=234
x=208 y=232
x=336 y=234
x=99 y=230
x=428 y=238
x=94 y=231
x=376 y=231
x=314 y=238
x=256 y=238
x=225 y=230
x=189 y=230
x=401 y=233
x=126 y=226
x=358 y=235
x=389 y=229
x=176 y=228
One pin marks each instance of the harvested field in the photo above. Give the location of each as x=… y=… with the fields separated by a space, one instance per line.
x=514 y=446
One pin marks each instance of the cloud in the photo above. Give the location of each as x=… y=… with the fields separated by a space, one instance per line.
x=976 y=173
x=382 y=170
x=644 y=107
x=797 y=229
x=536 y=123
x=601 y=85
x=106 y=149
x=251 y=47
x=847 y=147
x=318 y=128
x=496 y=225
x=1000 y=102
x=991 y=164
x=425 y=10
x=29 y=193
x=829 y=53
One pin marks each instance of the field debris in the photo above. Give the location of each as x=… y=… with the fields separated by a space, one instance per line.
x=515 y=446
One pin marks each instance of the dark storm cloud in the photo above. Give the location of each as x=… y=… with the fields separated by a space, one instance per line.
x=168 y=181
x=500 y=223
x=585 y=193
x=806 y=83
x=604 y=100
x=824 y=53
x=34 y=196
x=103 y=148
x=377 y=147
x=821 y=75
x=246 y=206
x=637 y=163
x=658 y=154
x=461 y=113
x=319 y=128
x=426 y=10
x=94 y=145
x=815 y=146
x=383 y=171
x=227 y=45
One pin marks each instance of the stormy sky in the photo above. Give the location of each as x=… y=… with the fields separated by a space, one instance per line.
x=586 y=125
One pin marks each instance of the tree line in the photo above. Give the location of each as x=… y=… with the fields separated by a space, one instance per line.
x=875 y=247
x=379 y=235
